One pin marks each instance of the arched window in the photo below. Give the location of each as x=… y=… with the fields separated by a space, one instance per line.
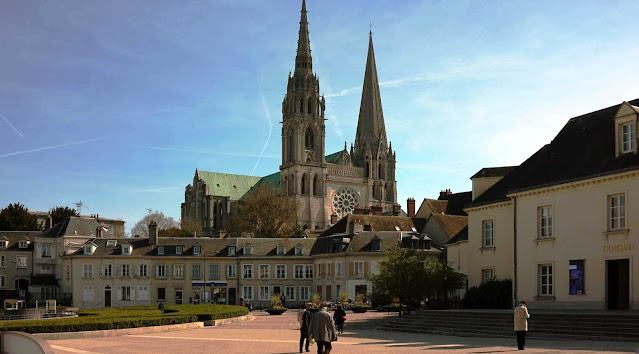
x=301 y=105
x=291 y=185
x=290 y=147
x=315 y=185
x=310 y=105
x=389 y=192
x=379 y=171
x=309 y=138
x=304 y=183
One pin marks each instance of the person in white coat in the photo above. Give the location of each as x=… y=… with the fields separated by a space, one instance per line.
x=521 y=323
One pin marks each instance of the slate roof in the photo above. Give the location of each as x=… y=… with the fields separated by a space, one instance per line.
x=584 y=148
x=228 y=185
x=360 y=242
x=451 y=224
x=493 y=172
x=457 y=202
x=73 y=226
x=462 y=235
x=14 y=237
x=377 y=222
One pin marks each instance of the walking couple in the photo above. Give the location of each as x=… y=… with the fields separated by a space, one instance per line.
x=320 y=327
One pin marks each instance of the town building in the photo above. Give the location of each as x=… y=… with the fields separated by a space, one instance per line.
x=560 y=224
x=326 y=187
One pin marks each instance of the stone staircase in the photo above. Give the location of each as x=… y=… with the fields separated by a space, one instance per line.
x=599 y=326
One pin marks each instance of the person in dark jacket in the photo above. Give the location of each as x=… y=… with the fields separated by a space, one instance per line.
x=339 y=316
x=304 y=317
x=322 y=328
x=161 y=308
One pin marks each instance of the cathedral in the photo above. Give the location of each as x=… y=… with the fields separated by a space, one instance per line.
x=325 y=187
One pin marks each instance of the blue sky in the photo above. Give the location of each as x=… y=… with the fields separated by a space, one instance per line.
x=116 y=103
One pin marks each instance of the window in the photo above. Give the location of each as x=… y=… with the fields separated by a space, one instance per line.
x=160 y=249
x=358 y=269
x=376 y=245
x=617 y=212
x=487 y=275
x=247 y=293
x=628 y=137
x=214 y=271
x=309 y=271
x=545 y=221
x=161 y=294
x=126 y=250
x=45 y=251
x=68 y=271
x=487 y=227
x=46 y=268
x=545 y=280
x=107 y=270
x=87 y=270
x=329 y=269
x=576 y=273
x=2 y=281
x=111 y=243
x=3 y=244
x=319 y=270
x=197 y=250
x=305 y=293
x=160 y=271
x=248 y=250
x=125 y=270
x=125 y=293
x=21 y=262
x=338 y=269
x=298 y=271
x=280 y=271
x=88 y=250
x=178 y=271
x=196 y=271
x=264 y=293
x=87 y=293
x=23 y=244
x=289 y=292
x=247 y=271
x=142 y=271
x=143 y=293
x=2 y=258
x=299 y=251
x=178 y=249
x=231 y=271
x=281 y=250
x=265 y=270
x=232 y=251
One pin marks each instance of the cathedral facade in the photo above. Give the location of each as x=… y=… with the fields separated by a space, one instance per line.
x=325 y=187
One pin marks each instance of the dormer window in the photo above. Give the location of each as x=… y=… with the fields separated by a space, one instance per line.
x=88 y=250
x=197 y=250
x=281 y=250
x=3 y=244
x=248 y=250
x=178 y=250
x=112 y=243
x=299 y=250
x=23 y=244
x=232 y=251
x=628 y=137
x=376 y=245
x=160 y=249
x=126 y=249
x=626 y=129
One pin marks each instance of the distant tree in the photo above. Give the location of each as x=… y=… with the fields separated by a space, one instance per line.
x=264 y=212
x=60 y=213
x=164 y=223
x=175 y=232
x=15 y=217
x=191 y=226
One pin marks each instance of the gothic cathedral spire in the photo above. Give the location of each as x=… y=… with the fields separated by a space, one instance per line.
x=303 y=59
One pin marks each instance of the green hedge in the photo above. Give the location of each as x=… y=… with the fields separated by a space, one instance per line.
x=126 y=317
x=493 y=294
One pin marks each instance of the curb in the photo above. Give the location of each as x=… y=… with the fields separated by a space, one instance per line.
x=227 y=321
x=119 y=332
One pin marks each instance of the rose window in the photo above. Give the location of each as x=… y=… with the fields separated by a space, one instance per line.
x=344 y=202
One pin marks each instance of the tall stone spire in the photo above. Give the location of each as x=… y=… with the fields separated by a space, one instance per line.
x=303 y=59
x=371 y=129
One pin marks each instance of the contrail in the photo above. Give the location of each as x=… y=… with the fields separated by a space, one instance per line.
x=11 y=125
x=270 y=129
x=51 y=147
x=193 y=150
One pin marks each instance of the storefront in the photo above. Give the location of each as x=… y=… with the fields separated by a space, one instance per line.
x=215 y=292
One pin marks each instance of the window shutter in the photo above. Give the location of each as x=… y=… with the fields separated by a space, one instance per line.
x=323 y=266
x=132 y=293
x=119 y=293
x=365 y=269
x=351 y=269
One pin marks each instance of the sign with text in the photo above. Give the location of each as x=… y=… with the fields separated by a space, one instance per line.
x=620 y=247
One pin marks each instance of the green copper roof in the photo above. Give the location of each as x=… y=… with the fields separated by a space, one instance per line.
x=227 y=185
x=332 y=158
x=273 y=179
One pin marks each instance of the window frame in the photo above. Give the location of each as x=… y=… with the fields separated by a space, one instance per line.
x=550 y=280
x=231 y=251
x=259 y=293
x=290 y=296
x=161 y=274
x=302 y=293
x=356 y=265
x=142 y=274
x=125 y=270
x=307 y=274
x=632 y=138
x=3 y=260
x=245 y=293
x=163 y=291
x=214 y=275
x=484 y=272
x=545 y=231
x=22 y=244
x=46 y=247
x=268 y=271
x=281 y=250
x=178 y=271
x=161 y=251
x=338 y=269
x=279 y=267
x=179 y=250
x=484 y=233
x=301 y=269
x=87 y=271
x=194 y=274
x=248 y=269
x=197 y=250
x=621 y=220
x=229 y=274
x=329 y=269
x=248 y=250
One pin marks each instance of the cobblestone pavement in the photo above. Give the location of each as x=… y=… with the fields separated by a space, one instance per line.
x=280 y=334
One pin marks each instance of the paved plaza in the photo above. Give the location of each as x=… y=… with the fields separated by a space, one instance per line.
x=280 y=334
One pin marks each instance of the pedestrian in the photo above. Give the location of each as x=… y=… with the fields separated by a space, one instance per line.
x=339 y=316
x=322 y=328
x=304 y=318
x=242 y=302
x=521 y=323
x=283 y=300
x=161 y=308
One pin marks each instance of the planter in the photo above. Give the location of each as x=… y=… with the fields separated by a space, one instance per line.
x=275 y=312
x=359 y=309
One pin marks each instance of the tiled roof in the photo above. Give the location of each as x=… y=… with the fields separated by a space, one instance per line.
x=451 y=224
x=377 y=222
x=462 y=235
x=493 y=172
x=73 y=226
x=457 y=202
x=584 y=148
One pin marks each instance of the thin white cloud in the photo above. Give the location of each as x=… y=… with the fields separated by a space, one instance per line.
x=270 y=130
x=50 y=147
x=11 y=125
x=207 y=152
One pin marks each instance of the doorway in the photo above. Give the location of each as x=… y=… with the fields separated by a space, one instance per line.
x=618 y=284
x=277 y=290
x=232 y=296
x=107 y=296
x=178 y=296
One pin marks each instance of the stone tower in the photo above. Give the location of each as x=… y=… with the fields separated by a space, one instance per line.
x=372 y=151
x=303 y=135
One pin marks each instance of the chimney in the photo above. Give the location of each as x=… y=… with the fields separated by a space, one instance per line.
x=445 y=192
x=397 y=209
x=98 y=232
x=377 y=210
x=153 y=233
x=360 y=210
x=368 y=227
x=410 y=206
x=48 y=223
x=97 y=217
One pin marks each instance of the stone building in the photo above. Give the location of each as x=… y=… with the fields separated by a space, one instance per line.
x=325 y=186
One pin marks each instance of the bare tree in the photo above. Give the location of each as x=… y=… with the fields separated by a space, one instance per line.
x=164 y=222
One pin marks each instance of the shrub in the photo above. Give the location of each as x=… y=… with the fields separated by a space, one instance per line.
x=493 y=294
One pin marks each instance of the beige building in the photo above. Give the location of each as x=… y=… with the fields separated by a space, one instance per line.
x=16 y=263
x=561 y=224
